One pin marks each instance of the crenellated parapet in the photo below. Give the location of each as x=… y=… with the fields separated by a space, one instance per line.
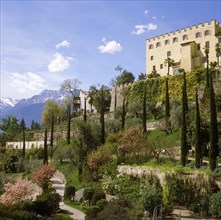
x=185 y=30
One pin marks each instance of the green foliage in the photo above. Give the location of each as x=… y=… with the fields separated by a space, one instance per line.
x=88 y=194
x=151 y=198
x=215 y=204
x=125 y=78
x=47 y=203
x=92 y=212
x=10 y=160
x=69 y=191
x=98 y=195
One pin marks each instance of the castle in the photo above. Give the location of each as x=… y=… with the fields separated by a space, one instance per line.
x=185 y=47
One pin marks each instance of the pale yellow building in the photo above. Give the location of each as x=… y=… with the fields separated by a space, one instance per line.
x=185 y=47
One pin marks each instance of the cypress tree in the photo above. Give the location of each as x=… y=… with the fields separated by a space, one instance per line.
x=102 y=117
x=85 y=110
x=52 y=130
x=69 y=124
x=145 y=110
x=198 y=151
x=23 y=126
x=123 y=114
x=214 y=147
x=45 y=161
x=167 y=101
x=184 y=127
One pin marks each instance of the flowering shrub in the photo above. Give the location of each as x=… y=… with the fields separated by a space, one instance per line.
x=42 y=176
x=17 y=192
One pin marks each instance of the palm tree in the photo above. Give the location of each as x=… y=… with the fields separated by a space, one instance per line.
x=170 y=63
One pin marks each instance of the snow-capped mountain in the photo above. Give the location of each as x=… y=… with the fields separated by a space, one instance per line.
x=31 y=108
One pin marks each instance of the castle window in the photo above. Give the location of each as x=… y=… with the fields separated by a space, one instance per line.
x=168 y=53
x=207 y=32
x=198 y=34
x=167 y=42
x=185 y=37
x=175 y=39
x=158 y=44
x=151 y=58
x=150 y=46
x=161 y=66
x=207 y=44
x=198 y=46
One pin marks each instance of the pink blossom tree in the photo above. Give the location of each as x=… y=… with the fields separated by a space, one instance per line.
x=17 y=192
x=43 y=175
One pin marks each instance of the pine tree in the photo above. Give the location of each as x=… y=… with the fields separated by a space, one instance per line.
x=23 y=126
x=45 y=161
x=145 y=110
x=214 y=146
x=198 y=150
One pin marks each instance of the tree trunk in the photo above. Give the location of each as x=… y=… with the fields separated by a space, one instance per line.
x=102 y=118
x=69 y=124
x=85 y=110
x=46 y=147
x=23 y=149
x=52 y=130
x=167 y=101
x=214 y=146
x=145 y=110
x=198 y=151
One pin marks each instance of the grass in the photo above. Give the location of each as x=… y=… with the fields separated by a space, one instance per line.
x=71 y=174
x=76 y=205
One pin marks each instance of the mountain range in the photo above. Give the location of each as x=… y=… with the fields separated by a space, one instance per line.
x=31 y=108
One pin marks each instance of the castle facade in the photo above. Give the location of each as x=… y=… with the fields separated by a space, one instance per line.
x=186 y=47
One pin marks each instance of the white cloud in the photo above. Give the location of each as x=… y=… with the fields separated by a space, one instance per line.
x=140 y=29
x=110 y=47
x=163 y=17
x=27 y=82
x=151 y=27
x=64 y=43
x=59 y=63
x=146 y=12
x=154 y=17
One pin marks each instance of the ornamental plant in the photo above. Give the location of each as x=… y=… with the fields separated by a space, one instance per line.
x=43 y=175
x=17 y=192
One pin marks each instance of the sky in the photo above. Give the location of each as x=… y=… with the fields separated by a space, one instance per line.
x=45 y=42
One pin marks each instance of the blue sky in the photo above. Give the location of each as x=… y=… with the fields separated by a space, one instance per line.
x=45 y=42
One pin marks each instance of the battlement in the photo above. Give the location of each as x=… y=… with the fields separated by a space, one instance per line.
x=185 y=30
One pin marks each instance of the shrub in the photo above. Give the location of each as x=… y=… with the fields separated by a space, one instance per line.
x=101 y=203
x=215 y=204
x=10 y=161
x=47 y=203
x=92 y=213
x=151 y=198
x=98 y=195
x=88 y=194
x=69 y=191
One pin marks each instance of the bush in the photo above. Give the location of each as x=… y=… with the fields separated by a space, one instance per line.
x=47 y=203
x=98 y=195
x=92 y=213
x=215 y=204
x=10 y=161
x=151 y=198
x=88 y=194
x=69 y=191
x=101 y=203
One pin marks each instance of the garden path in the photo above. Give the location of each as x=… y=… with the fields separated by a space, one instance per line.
x=59 y=185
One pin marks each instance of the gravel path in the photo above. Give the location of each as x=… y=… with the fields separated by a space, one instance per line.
x=59 y=186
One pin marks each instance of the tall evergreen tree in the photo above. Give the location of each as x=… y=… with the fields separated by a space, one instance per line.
x=69 y=124
x=102 y=117
x=214 y=146
x=184 y=126
x=52 y=130
x=85 y=110
x=23 y=126
x=198 y=150
x=123 y=114
x=167 y=101
x=206 y=50
x=145 y=110
x=45 y=158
